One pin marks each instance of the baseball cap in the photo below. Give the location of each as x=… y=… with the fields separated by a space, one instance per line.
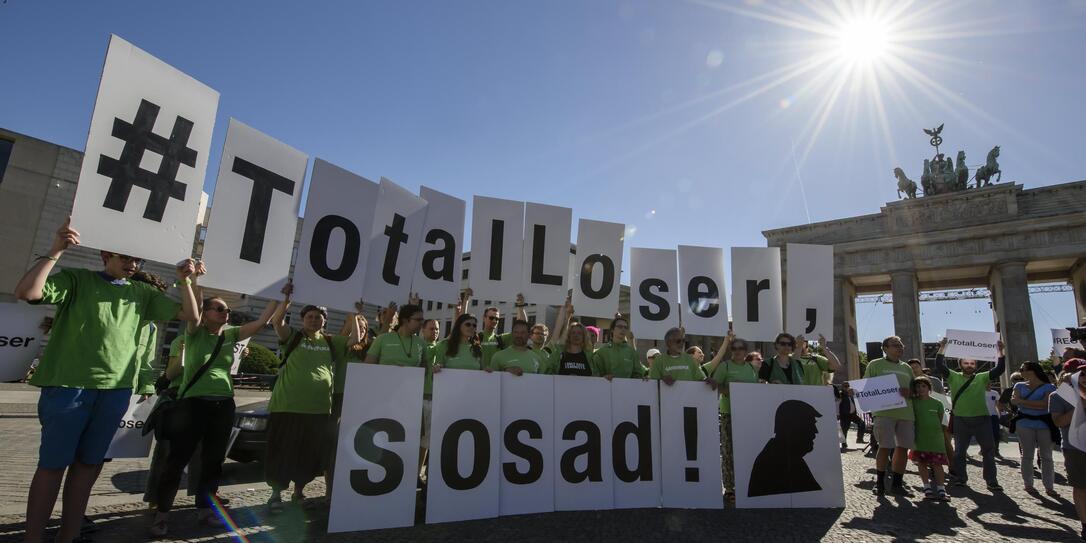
x=652 y=353
x=1073 y=365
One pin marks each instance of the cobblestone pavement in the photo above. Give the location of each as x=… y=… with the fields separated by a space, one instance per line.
x=972 y=515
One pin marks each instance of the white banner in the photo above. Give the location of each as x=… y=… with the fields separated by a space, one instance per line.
x=785 y=447
x=582 y=413
x=972 y=345
x=437 y=275
x=527 y=413
x=497 y=228
x=546 y=253
x=877 y=393
x=378 y=451
x=701 y=283
x=654 y=278
x=691 y=445
x=129 y=441
x=1061 y=339
x=597 y=268
x=146 y=156
x=394 y=244
x=756 y=293
x=250 y=235
x=463 y=475
x=331 y=266
x=20 y=338
x=810 y=290
x=635 y=448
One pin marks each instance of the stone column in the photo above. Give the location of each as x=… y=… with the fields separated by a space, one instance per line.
x=1013 y=313
x=907 y=312
x=844 y=329
x=1078 y=283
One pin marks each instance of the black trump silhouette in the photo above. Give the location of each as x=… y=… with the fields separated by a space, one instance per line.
x=780 y=468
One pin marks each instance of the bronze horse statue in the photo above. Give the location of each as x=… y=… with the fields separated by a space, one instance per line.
x=904 y=184
x=985 y=172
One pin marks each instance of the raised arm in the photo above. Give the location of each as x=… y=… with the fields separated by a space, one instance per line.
x=1001 y=362
x=940 y=360
x=719 y=356
x=188 y=273
x=558 y=332
x=831 y=357
x=521 y=305
x=29 y=288
x=279 y=319
x=252 y=328
x=465 y=301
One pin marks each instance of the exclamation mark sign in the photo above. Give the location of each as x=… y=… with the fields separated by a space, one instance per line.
x=690 y=433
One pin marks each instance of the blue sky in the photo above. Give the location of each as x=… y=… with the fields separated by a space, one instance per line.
x=651 y=113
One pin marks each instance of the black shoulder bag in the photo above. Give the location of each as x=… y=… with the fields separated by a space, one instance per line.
x=159 y=419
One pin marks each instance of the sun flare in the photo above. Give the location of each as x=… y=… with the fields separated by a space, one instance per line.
x=863 y=40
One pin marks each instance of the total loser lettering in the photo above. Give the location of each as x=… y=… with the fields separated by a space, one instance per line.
x=16 y=341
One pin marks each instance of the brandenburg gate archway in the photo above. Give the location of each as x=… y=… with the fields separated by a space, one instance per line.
x=1001 y=237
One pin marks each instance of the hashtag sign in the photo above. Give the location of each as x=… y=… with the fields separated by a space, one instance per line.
x=125 y=171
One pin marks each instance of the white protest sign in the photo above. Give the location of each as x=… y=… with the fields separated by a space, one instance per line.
x=143 y=169
x=546 y=253
x=527 y=417
x=654 y=278
x=948 y=406
x=20 y=338
x=1076 y=432
x=250 y=234
x=810 y=290
x=877 y=393
x=597 y=268
x=129 y=441
x=1061 y=339
x=465 y=447
x=497 y=228
x=785 y=447
x=635 y=416
x=691 y=445
x=1067 y=393
x=582 y=413
x=378 y=450
x=437 y=275
x=972 y=345
x=332 y=254
x=394 y=244
x=239 y=349
x=701 y=283
x=756 y=293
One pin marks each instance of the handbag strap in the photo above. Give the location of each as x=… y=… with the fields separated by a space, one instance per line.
x=203 y=369
x=294 y=341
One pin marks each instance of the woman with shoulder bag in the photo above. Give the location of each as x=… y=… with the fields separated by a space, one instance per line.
x=1034 y=426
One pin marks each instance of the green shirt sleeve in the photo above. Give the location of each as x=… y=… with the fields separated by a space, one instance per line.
x=654 y=371
x=597 y=362
x=175 y=345
x=58 y=288
x=159 y=306
x=823 y=362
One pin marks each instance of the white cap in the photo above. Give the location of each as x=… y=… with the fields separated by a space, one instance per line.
x=652 y=353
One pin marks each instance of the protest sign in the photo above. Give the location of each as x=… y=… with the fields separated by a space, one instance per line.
x=378 y=450
x=239 y=349
x=582 y=410
x=331 y=266
x=809 y=298
x=394 y=244
x=546 y=253
x=129 y=441
x=20 y=338
x=497 y=248
x=597 y=268
x=250 y=234
x=1061 y=339
x=139 y=187
x=701 y=283
x=948 y=406
x=635 y=415
x=785 y=447
x=437 y=275
x=756 y=293
x=691 y=445
x=877 y=393
x=527 y=416
x=654 y=278
x=972 y=345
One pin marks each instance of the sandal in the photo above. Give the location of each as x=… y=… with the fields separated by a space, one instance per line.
x=929 y=493
x=943 y=496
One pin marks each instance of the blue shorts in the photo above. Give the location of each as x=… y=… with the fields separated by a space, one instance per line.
x=77 y=424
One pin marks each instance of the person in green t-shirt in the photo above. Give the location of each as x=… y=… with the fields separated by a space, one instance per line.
x=894 y=428
x=816 y=366
x=489 y=339
x=970 y=418
x=518 y=359
x=87 y=370
x=782 y=368
x=929 y=451
x=736 y=369
x=461 y=350
x=301 y=401
x=618 y=358
x=204 y=413
x=538 y=339
x=674 y=364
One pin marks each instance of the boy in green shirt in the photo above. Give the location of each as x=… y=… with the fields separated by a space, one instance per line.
x=87 y=370
x=894 y=428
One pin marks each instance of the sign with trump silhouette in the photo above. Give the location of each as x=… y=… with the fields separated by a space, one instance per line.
x=785 y=447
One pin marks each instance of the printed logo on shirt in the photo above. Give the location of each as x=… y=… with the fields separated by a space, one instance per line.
x=314 y=346
x=680 y=367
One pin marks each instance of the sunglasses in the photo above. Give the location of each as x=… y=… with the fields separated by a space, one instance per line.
x=220 y=309
x=491 y=318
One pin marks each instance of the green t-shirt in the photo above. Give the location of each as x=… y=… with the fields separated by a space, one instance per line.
x=145 y=356
x=972 y=402
x=428 y=363
x=464 y=359
x=682 y=368
x=885 y=366
x=528 y=360
x=94 y=339
x=728 y=372
x=306 y=381
x=175 y=350
x=815 y=367
x=929 y=425
x=617 y=359
x=772 y=372
x=216 y=381
x=392 y=349
x=489 y=341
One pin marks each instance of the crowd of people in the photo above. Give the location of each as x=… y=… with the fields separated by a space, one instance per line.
x=102 y=346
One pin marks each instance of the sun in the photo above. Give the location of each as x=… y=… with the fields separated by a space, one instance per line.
x=863 y=40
